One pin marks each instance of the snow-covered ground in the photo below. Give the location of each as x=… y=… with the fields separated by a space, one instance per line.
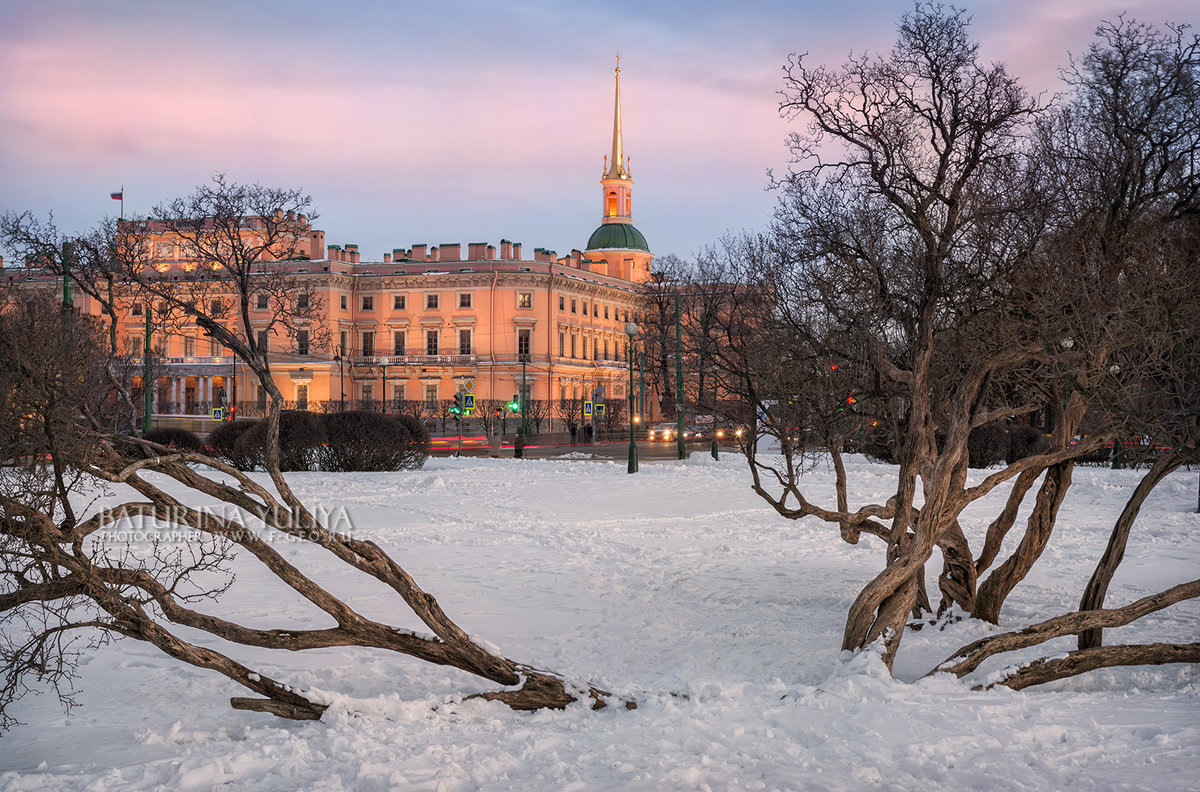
x=677 y=587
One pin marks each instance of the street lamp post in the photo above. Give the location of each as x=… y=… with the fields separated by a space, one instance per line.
x=524 y=398
x=383 y=363
x=341 y=378
x=631 y=330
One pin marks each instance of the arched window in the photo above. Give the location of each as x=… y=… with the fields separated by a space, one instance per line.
x=612 y=203
x=629 y=202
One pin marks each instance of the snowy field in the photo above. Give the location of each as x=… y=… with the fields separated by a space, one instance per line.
x=677 y=587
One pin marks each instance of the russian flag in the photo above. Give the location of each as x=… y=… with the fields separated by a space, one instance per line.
x=117 y=196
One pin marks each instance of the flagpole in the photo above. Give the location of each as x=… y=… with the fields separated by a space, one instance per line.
x=122 y=201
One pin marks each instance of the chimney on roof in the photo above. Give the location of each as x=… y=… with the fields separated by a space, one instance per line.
x=516 y=251
x=475 y=251
x=387 y=258
x=418 y=253
x=491 y=252
x=450 y=251
x=505 y=249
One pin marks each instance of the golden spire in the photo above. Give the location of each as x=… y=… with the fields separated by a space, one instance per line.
x=616 y=168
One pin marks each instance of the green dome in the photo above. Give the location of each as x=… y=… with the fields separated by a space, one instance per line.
x=617 y=236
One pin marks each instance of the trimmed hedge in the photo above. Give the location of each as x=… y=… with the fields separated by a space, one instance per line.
x=222 y=444
x=301 y=436
x=172 y=437
x=360 y=440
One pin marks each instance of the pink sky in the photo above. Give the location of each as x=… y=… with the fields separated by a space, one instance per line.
x=447 y=122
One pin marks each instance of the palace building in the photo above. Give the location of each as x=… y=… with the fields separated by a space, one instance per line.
x=425 y=321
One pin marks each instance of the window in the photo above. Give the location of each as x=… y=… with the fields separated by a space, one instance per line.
x=464 y=342
x=260 y=301
x=431 y=302
x=215 y=308
x=464 y=300
x=302 y=342
x=214 y=347
x=523 y=343
x=345 y=302
x=368 y=343
x=574 y=305
x=431 y=342
x=524 y=299
x=595 y=309
x=136 y=309
x=368 y=302
x=562 y=345
x=585 y=307
x=398 y=393
x=261 y=396
x=562 y=303
x=431 y=395
x=398 y=302
x=264 y=341
x=302 y=300
x=134 y=344
x=606 y=357
x=342 y=342
x=606 y=312
x=366 y=392
x=573 y=339
x=189 y=346
x=301 y=397
x=398 y=348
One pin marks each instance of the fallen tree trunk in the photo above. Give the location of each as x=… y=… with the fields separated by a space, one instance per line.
x=1081 y=661
x=969 y=657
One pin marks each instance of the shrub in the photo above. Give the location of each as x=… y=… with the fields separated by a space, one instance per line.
x=222 y=444
x=173 y=437
x=359 y=440
x=987 y=445
x=1025 y=441
x=301 y=436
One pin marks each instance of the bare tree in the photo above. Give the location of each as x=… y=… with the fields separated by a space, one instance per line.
x=59 y=559
x=947 y=274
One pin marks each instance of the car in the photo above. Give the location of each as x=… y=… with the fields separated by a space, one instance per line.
x=667 y=432
x=662 y=431
x=730 y=433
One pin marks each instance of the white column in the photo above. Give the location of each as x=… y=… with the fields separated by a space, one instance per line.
x=206 y=389
x=175 y=390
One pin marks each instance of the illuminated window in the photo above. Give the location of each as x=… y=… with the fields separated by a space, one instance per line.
x=611 y=204
x=524 y=299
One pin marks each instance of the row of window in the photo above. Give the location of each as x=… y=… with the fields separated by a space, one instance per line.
x=432 y=301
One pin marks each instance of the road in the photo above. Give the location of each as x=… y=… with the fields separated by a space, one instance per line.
x=616 y=450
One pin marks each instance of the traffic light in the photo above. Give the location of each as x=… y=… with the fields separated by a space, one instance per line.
x=457 y=407
x=497 y=412
x=515 y=404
